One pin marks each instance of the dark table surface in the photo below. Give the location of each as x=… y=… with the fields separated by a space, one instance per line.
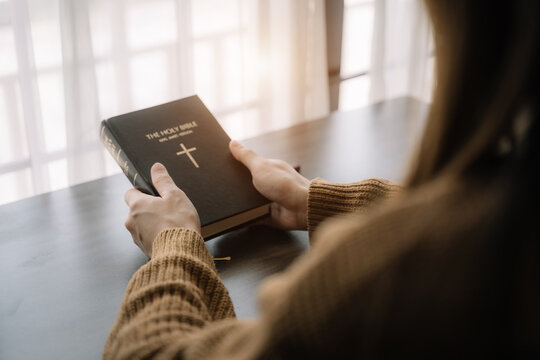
x=65 y=257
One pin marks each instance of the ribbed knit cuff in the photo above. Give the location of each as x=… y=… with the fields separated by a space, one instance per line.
x=181 y=241
x=180 y=264
x=328 y=199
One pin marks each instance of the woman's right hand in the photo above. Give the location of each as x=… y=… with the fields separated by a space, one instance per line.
x=279 y=183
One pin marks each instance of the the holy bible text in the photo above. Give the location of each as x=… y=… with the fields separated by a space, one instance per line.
x=185 y=137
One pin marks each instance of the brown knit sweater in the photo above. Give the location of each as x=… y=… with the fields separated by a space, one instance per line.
x=409 y=275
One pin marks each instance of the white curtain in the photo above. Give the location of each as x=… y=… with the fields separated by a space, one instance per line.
x=402 y=61
x=65 y=65
x=259 y=65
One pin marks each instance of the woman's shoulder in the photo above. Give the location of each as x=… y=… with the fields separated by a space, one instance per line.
x=424 y=264
x=446 y=241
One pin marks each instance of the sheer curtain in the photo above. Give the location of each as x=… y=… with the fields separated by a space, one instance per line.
x=387 y=52
x=402 y=51
x=259 y=65
x=65 y=65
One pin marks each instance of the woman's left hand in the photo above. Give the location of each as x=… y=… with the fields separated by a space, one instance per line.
x=148 y=215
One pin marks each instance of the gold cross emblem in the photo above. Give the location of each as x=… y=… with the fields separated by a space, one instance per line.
x=187 y=152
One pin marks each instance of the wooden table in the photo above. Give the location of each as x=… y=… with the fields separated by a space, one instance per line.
x=65 y=257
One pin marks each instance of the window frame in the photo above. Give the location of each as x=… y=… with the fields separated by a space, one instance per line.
x=335 y=15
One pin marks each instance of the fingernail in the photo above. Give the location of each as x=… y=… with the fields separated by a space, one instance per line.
x=235 y=143
x=158 y=166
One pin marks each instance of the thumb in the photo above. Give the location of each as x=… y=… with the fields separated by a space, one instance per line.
x=245 y=155
x=161 y=179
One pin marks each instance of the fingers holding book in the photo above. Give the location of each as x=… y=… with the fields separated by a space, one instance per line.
x=162 y=181
x=149 y=215
x=278 y=182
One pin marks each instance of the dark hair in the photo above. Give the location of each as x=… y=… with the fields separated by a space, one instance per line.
x=485 y=112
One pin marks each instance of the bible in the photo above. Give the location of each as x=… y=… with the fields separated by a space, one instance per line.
x=185 y=137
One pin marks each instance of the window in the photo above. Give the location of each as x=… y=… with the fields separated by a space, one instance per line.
x=356 y=53
x=130 y=43
x=67 y=64
x=400 y=46
x=257 y=64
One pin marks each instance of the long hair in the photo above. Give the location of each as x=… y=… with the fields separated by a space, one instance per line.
x=487 y=91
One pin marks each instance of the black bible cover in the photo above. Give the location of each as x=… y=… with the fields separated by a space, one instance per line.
x=185 y=137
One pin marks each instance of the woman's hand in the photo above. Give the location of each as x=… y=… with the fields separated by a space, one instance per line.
x=148 y=214
x=278 y=182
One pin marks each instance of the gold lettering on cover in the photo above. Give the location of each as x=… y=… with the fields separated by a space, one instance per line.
x=187 y=152
x=168 y=131
x=188 y=125
x=153 y=135
x=172 y=132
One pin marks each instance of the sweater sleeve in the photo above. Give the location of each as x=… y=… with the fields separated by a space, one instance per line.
x=177 y=292
x=327 y=199
x=176 y=304
x=373 y=291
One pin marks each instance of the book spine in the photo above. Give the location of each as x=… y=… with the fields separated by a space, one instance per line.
x=116 y=151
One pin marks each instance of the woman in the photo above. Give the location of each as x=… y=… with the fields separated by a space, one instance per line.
x=444 y=266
